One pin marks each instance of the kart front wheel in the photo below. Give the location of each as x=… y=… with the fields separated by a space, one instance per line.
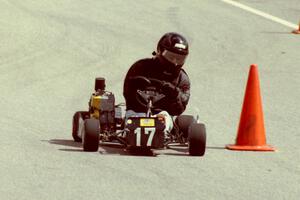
x=90 y=137
x=197 y=139
x=77 y=125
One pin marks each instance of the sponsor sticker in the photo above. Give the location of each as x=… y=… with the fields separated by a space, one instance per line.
x=147 y=122
x=181 y=46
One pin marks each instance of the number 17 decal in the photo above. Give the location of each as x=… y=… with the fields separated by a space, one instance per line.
x=148 y=131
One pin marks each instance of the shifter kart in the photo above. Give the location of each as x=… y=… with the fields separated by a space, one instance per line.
x=104 y=122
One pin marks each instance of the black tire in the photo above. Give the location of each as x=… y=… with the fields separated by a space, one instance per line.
x=78 y=118
x=183 y=122
x=197 y=139
x=90 y=137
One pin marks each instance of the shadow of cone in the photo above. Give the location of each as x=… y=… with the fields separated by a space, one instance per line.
x=297 y=31
x=251 y=131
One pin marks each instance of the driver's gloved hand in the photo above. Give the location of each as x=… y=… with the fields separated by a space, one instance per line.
x=169 y=89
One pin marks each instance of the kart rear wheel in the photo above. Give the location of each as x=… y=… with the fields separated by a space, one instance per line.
x=77 y=125
x=197 y=139
x=90 y=137
x=183 y=122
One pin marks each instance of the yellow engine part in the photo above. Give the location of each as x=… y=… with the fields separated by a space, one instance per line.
x=95 y=104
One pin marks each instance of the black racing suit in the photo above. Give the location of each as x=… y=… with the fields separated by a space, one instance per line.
x=152 y=68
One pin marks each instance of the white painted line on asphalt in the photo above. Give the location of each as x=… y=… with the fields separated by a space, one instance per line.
x=262 y=14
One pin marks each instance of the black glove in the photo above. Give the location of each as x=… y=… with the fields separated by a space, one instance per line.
x=169 y=89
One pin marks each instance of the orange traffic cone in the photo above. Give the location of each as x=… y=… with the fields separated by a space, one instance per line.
x=251 y=131
x=298 y=30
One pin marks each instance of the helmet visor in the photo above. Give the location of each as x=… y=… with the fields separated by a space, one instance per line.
x=174 y=58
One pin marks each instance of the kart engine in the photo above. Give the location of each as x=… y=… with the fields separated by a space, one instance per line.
x=102 y=106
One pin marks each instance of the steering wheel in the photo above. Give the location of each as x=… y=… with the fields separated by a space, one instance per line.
x=151 y=90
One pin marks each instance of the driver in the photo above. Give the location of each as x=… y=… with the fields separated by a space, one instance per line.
x=165 y=66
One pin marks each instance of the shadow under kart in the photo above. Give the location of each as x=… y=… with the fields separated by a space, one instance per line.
x=104 y=122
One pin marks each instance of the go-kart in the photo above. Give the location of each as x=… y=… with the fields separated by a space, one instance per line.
x=104 y=122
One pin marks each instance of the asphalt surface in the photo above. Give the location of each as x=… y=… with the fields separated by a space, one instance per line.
x=51 y=51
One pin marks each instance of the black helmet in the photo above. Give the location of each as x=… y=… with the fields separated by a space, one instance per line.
x=174 y=48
